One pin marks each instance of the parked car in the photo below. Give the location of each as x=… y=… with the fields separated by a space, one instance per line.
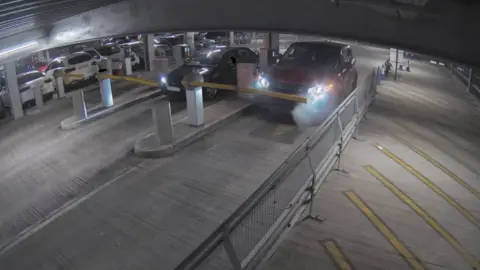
x=217 y=65
x=114 y=52
x=323 y=72
x=27 y=83
x=79 y=63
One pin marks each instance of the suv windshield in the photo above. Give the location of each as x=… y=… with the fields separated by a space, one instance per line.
x=108 y=50
x=209 y=58
x=303 y=54
x=29 y=77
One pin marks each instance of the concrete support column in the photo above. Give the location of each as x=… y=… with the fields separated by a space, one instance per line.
x=127 y=63
x=231 y=41
x=79 y=107
x=149 y=52
x=245 y=77
x=271 y=41
x=162 y=121
x=106 y=92
x=38 y=94
x=109 y=66
x=161 y=67
x=194 y=99
x=264 y=55
x=13 y=90
x=190 y=41
x=58 y=76
x=41 y=55
x=177 y=56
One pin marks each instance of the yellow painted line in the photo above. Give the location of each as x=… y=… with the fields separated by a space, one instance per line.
x=281 y=129
x=250 y=91
x=411 y=259
x=430 y=184
x=423 y=214
x=337 y=255
x=444 y=169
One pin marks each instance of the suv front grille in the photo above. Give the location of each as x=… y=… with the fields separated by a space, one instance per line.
x=285 y=87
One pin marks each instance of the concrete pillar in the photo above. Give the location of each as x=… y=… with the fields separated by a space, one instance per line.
x=106 y=92
x=194 y=99
x=263 y=55
x=13 y=91
x=162 y=121
x=190 y=40
x=41 y=55
x=161 y=67
x=109 y=66
x=47 y=55
x=38 y=94
x=245 y=77
x=149 y=52
x=79 y=107
x=58 y=77
x=271 y=41
x=231 y=41
x=177 y=56
x=127 y=63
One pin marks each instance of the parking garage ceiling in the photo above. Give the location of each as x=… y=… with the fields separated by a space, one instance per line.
x=22 y=15
x=444 y=27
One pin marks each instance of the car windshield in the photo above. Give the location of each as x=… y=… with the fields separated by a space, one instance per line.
x=108 y=50
x=300 y=54
x=29 y=77
x=209 y=58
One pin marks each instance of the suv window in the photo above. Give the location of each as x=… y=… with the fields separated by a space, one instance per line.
x=29 y=77
x=79 y=58
x=109 y=50
x=93 y=54
x=246 y=55
x=55 y=64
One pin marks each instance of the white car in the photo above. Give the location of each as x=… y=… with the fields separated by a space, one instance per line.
x=27 y=83
x=114 y=52
x=79 y=63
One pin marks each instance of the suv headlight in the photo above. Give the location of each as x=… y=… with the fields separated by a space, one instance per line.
x=320 y=89
x=262 y=82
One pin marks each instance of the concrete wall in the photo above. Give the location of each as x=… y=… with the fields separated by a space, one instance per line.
x=454 y=34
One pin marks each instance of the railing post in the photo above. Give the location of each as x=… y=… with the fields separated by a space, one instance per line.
x=356 y=112
x=37 y=91
x=470 y=77
x=340 y=144
x=194 y=99
x=230 y=250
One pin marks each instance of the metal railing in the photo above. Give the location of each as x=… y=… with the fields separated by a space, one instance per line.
x=247 y=235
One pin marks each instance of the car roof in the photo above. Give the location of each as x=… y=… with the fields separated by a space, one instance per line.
x=68 y=56
x=322 y=44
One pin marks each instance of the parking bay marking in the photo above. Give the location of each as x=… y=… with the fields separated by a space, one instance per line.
x=469 y=216
x=282 y=129
x=454 y=243
x=440 y=166
x=401 y=248
x=337 y=255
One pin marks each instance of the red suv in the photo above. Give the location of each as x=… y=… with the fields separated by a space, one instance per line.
x=323 y=72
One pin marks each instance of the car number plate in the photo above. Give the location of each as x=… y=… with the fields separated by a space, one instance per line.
x=173 y=88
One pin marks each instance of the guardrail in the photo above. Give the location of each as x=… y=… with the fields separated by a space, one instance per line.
x=242 y=240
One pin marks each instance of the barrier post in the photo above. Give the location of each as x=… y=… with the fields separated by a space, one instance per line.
x=162 y=121
x=160 y=65
x=79 y=107
x=38 y=94
x=245 y=77
x=106 y=92
x=58 y=76
x=194 y=99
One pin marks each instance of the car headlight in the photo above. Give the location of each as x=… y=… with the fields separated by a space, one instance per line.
x=163 y=80
x=262 y=82
x=320 y=89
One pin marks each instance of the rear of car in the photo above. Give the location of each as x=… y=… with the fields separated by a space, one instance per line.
x=112 y=52
x=82 y=65
x=28 y=83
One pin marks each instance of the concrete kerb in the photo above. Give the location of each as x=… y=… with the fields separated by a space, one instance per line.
x=99 y=113
x=158 y=150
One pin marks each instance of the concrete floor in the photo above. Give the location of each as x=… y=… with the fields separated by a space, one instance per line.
x=43 y=167
x=147 y=213
x=420 y=142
